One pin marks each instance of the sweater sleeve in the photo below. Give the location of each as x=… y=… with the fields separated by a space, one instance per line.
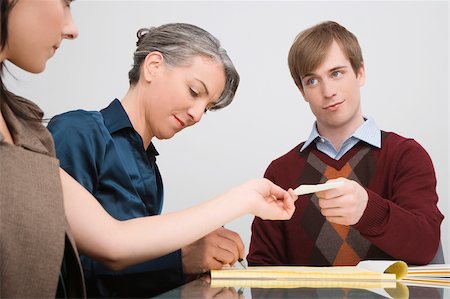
x=265 y=243
x=405 y=224
x=267 y=240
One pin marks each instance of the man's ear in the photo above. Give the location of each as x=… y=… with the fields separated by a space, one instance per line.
x=361 y=75
x=300 y=87
x=152 y=65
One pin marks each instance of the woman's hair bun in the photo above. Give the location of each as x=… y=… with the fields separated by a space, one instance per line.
x=140 y=35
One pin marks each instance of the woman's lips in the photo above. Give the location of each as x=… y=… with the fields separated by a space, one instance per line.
x=180 y=121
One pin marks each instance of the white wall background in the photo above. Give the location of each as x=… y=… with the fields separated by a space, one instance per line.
x=405 y=45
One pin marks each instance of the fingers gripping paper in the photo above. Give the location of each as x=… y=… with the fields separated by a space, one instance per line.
x=306 y=189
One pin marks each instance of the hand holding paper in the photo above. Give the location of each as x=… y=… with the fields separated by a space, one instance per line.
x=344 y=205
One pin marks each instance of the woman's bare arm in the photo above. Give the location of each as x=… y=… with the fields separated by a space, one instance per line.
x=119 y=244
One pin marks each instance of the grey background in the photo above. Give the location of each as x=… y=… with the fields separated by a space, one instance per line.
x=405 y=46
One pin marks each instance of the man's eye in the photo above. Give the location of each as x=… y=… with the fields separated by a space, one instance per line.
x=312 y=81
x=336 y=74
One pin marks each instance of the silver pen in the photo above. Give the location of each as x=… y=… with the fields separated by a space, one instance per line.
x=241 y=261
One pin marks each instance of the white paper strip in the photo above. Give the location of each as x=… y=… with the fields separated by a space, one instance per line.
x=306 y=189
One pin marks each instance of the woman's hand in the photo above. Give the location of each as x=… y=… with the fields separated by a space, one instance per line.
x=267 y=200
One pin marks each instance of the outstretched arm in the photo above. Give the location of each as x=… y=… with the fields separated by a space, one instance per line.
x=119 y=244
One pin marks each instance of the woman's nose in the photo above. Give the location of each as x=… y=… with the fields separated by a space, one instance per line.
x=70 y=30
x=196 y=112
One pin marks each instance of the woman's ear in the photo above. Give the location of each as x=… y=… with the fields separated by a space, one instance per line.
x=152 y=65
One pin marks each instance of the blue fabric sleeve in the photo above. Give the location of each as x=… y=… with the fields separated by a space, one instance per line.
x=79 y=146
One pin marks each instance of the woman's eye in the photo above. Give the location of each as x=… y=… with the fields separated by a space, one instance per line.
x=193 y=92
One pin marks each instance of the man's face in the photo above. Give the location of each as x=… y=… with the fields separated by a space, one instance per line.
x=333 y=92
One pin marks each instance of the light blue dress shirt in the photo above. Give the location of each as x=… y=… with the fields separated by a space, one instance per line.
x=368 y=132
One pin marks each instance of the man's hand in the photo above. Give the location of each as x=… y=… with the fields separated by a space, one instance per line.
x=218 y=248
x=344 y=204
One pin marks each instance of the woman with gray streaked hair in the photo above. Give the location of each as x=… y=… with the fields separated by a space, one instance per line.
x=179 y=43
x=179 y=72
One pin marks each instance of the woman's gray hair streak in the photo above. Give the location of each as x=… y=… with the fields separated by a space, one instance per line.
x=179 y=43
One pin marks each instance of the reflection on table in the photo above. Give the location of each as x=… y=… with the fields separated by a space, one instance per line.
x=203 y=288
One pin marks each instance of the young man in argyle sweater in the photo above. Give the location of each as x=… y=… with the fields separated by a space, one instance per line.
x=387 y=206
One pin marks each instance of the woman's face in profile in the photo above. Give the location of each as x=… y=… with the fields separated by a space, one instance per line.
x=178 y=97
x=36 y=29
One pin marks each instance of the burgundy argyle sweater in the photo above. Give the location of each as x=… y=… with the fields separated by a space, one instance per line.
x=401 y=220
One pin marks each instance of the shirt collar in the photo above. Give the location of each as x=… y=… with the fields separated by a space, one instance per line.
x=312 y=136
x=367 y=132
x=115 y=117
